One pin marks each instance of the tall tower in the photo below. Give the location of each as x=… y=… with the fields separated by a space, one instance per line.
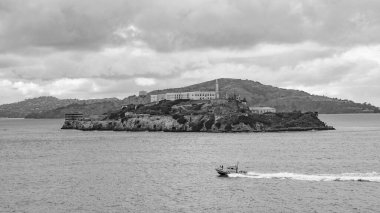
x=216 y=89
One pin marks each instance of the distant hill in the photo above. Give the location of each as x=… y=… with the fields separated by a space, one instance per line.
x=256 y=94
x=41 y=105
x=34 y=105
x=283 y=100
x=89 y=107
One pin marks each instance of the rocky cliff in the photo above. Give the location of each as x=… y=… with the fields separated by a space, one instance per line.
x=201 y=123
x=200 y=116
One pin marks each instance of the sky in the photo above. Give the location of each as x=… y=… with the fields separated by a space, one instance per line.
x=100 y=48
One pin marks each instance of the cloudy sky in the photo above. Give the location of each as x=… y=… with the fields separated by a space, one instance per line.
x=101 y=48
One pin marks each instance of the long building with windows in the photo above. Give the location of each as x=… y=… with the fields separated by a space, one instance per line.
x=195 y=95
x=198 y=95
x=262 y=110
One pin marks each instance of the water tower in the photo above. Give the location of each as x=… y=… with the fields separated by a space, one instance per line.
x=216 y=89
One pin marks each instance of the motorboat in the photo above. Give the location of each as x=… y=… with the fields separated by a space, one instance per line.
x=224 y=171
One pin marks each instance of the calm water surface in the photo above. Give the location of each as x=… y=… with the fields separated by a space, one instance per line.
x=45 y=169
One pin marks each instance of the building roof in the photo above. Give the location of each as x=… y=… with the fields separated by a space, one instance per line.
x=261 y=108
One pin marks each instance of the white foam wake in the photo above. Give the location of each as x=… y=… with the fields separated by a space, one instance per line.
x=365 y=177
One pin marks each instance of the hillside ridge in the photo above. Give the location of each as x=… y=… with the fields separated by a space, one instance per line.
x=256 y=94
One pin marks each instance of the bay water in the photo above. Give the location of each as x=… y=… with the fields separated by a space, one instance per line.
x=46 y=169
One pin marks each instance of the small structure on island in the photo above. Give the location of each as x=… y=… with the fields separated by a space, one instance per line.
x=74 y=116
x=262 y=110
x=217 y=93
x=143 y=93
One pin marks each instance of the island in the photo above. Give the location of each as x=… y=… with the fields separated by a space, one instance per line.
x=185 y=115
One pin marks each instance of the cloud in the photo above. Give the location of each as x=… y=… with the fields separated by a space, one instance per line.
x=57 y=87
x=145 y=81
x=241 y=24
x=171 y=25
x=61 y=24
x=98 y=48
x=112 y=71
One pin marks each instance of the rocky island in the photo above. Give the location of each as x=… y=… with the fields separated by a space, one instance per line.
x=199 y=116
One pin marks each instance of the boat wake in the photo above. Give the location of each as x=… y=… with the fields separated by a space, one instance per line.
x=364 y=177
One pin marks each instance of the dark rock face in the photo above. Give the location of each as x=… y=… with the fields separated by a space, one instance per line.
x=233 y=122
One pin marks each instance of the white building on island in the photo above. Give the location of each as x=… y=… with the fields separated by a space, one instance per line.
x=262 y=110
x=196 y=95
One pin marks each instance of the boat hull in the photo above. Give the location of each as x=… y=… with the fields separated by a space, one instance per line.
x=222 y=172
